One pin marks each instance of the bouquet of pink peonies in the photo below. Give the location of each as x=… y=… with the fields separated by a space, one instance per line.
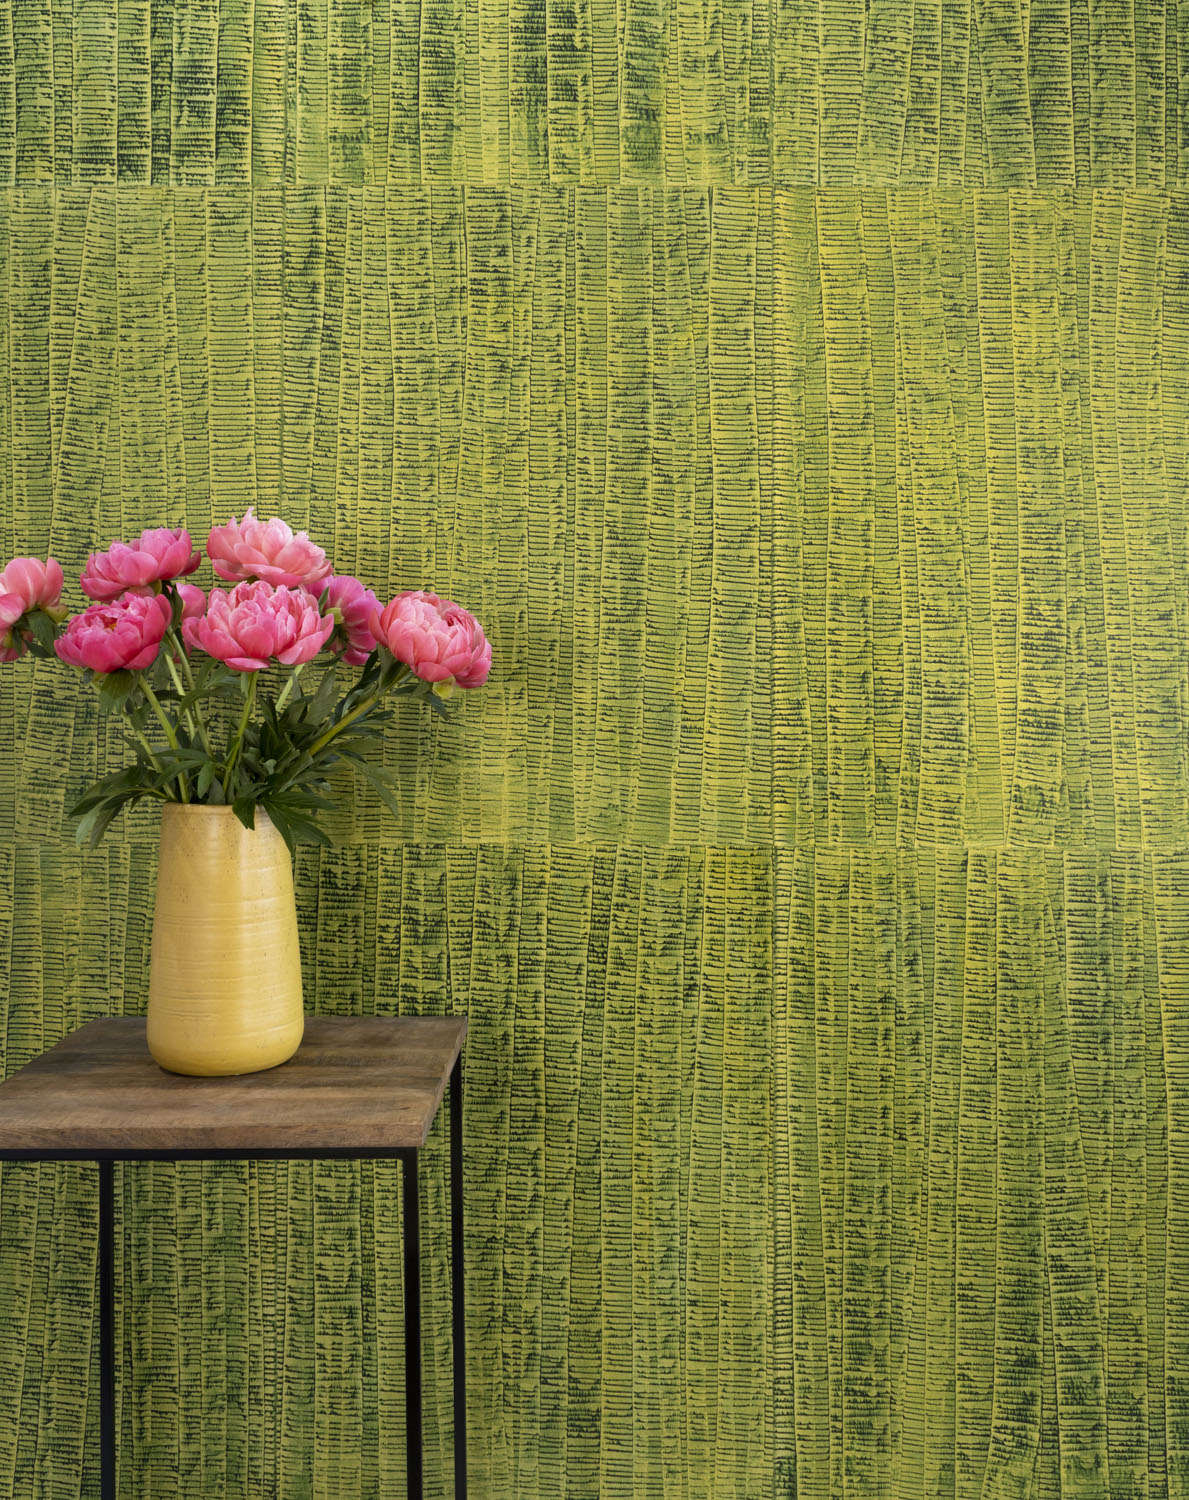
x=184 y=667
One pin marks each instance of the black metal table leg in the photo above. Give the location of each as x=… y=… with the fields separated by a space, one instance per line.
x=107 y=1333
x=412 y=1299
x=456 y=1289
x=412 y=1236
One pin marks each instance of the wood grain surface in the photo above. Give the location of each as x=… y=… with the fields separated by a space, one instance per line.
x=355 y=1081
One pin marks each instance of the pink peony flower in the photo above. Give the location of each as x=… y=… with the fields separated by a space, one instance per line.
x=120 y=633
x=440 y=641
x=193 y=604
x=266 y=550
x=255 y=623
x=160 y=554
x=11 y=643
x=36 y=584
x=27 y=583
x=352 y=607
x=193 y=600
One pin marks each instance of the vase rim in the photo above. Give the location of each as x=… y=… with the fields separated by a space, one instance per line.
x=214 y=807
x=222 y=808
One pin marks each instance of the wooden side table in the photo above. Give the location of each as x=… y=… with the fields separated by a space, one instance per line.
x=358 y=1086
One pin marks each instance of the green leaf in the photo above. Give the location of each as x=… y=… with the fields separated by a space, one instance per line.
x=284 y=828
x=185 y=755
x=42 y=628
x=307 y=799
x=323 y=700
x=114 y=688
x=198 y=694
x=244 y=809
x=291 y=825
x=369 y=673
x=381 y=781
x=127 y=780
x=95 y=824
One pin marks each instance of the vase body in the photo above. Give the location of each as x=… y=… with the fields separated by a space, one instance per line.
x=225 y=973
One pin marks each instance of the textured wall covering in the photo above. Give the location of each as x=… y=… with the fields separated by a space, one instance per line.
x=802 y=400
x=832 y=93
x=794 y=522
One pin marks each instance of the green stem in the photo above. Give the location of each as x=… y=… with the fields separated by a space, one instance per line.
x=249 y=704
x=173 y=671
x=155 y=703
x=168 y=728
x=357 y=712
x=287 y=689
x=147 y=747
x=188 y=673
x=177 y=681
x=148 y=750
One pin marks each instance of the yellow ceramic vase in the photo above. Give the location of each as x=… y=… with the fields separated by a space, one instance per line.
x=225 y=974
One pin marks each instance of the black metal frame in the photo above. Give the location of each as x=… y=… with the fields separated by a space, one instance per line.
x=412 y=1277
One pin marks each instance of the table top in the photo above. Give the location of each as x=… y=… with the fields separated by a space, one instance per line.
x=365 y=1083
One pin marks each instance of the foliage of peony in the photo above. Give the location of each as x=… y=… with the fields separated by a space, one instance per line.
x=159 y=555
x=266 y=550
x=352 y=607
x=438 y=640
x=256 y=623
x=123 y=635
x=208 y=682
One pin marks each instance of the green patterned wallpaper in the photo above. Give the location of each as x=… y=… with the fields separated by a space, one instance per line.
x=800 y=396
x=829 y=93
x=793 y=522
